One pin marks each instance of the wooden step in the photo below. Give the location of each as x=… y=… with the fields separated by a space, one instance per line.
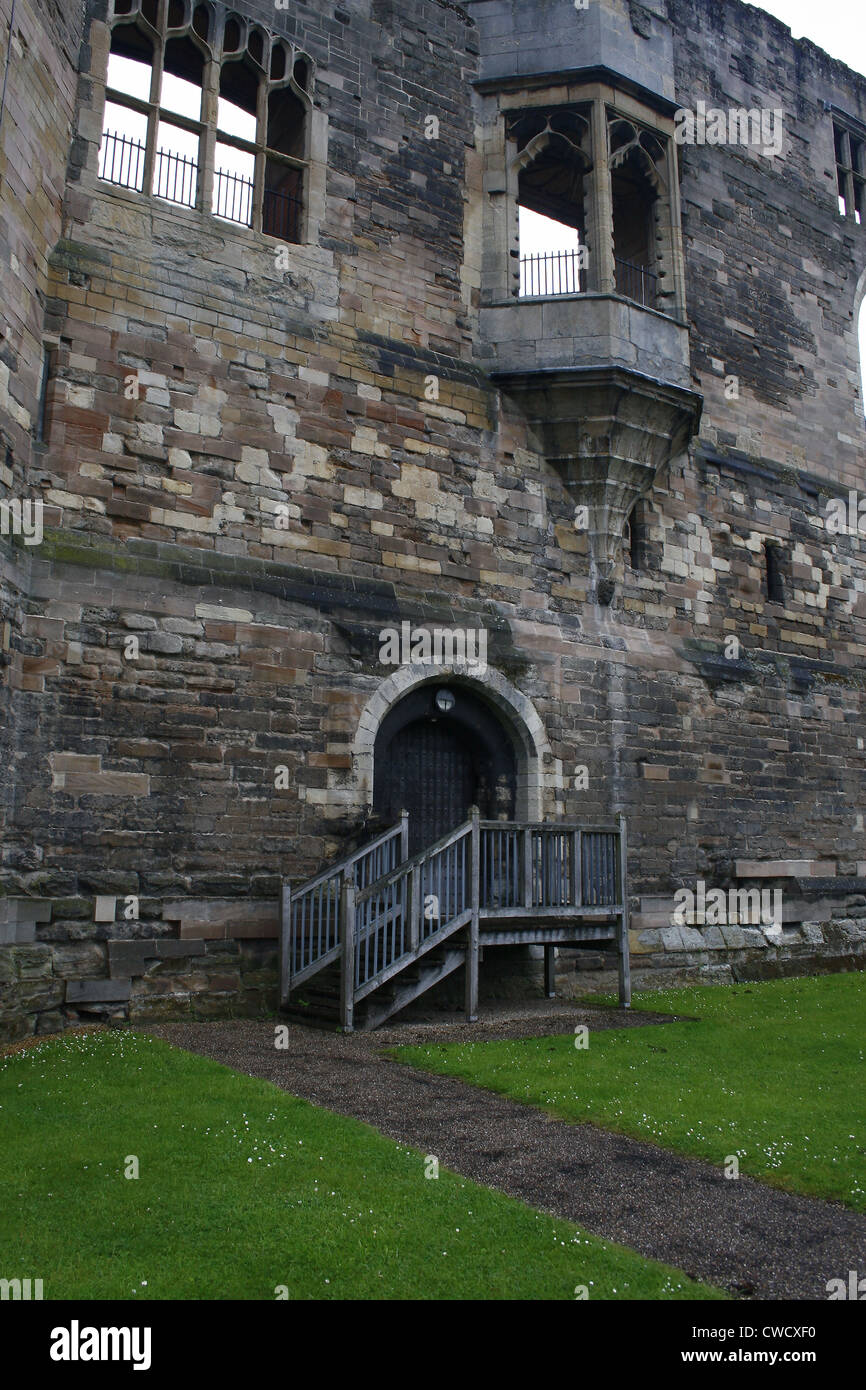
x=317 y=1001
x=400 y=991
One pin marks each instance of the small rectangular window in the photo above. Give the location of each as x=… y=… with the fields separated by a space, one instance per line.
x=775 y=586
x=850 y=151
x=41 y=431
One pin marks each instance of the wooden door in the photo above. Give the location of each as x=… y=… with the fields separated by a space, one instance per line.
x=432 y=773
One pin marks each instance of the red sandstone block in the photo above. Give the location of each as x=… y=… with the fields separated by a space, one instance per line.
x=202 y=931
x=133 y=510
x=40 y=665
x=246 y=931
x=43 y=627
x=19 y=681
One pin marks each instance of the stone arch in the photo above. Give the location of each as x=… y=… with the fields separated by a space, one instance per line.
x=555 y=141
x=539 y=774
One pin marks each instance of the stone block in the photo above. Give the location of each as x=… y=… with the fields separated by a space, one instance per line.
x=52 y=1021
x=713 y=939
x=32 y=962
x=733 y=937
x=12 y=933
x=80 y=959
x=753 y=937
x=29 y=910
x=170 y=949
x=105 y=909
x=812 y=933
x=785 y=868
x=642 y=942
x=97 y=991
x=216 y=918
x=38 y=995
x=127 y=958
x=692 y=940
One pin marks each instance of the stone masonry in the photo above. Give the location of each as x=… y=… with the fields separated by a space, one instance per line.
x=326 y=442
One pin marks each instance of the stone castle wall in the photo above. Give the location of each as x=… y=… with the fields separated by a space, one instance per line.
x=144 y=776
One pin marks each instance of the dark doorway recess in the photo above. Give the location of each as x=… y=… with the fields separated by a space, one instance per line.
x=437 y=762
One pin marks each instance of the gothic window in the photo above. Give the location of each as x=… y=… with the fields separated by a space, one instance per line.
x=636 y=178
x=208 y=110
x=552 y=162
x=850 y=171
x=583 y=198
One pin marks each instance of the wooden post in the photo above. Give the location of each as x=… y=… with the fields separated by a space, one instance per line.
x=550 y=971
x=259 y=170
x=624 y=964
x=527 y=866
x=404 y=836
x=287 y=945
x=472 y=942
x=416 y=906
x=347 y=962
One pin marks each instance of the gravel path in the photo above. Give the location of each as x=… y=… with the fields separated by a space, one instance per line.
x=740 y=1235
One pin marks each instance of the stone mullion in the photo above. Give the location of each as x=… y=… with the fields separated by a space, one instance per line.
x=601 y=275
x=675 y=230
x=153 y=116
x=207 y=142
x=261 y=141
x=847 y=176
x=858 y=171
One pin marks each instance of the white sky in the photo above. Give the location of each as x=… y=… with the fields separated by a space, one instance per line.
x=839 y=26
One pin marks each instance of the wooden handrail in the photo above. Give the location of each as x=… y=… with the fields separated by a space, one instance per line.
x=436 y=848
x=553 y=826
x=350 y=859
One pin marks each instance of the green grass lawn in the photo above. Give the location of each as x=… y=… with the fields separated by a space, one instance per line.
x=243 y=1188
x=773 y=1073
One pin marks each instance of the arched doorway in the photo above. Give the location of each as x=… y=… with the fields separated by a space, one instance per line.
x=439 y=751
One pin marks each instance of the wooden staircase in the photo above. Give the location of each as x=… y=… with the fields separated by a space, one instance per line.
x=366 y=938
x=318 y=1002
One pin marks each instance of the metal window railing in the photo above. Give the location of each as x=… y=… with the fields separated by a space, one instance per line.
x=636 y=282
x=175 y=178
x=550 y=273
x=281 y=215
x=121 y=160
x=233 y=197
